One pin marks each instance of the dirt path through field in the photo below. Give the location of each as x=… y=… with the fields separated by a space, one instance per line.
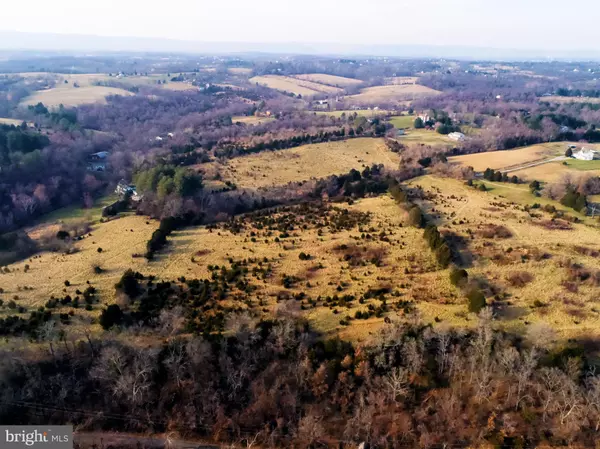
x=535 y=164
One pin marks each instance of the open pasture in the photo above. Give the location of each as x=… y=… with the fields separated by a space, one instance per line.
x=329 y=80
x=427 y=137
x=527 y=271
x=403 y=121
x=340 y=261
x=554 y=171
x=10 y=121
x=392 y=93
x=272 y=168
x=240 y=70
x=401 y=80
x=527 y=264
x=73 y=96
x=251 y=120
x=294 y=85
x=510 y=158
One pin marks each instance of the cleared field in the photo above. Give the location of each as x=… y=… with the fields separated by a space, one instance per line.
x=509 y=158
x=526 y=275
x=10 y=121
x=271 y=168
x=330 y=80
x=179 y=86
x=554 y=171
x=583 y=165
x=251 y=120
x=191 y=250
x=404 y=121
x=73 y=96
x=92 y=79
x=294 y=85
x=239 y=71
x=405 y=266
x=559 y=99
x=382 y=94
x=426 y=137
x=400 y=80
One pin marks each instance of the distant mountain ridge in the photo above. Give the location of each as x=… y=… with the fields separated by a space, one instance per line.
x=17 y=41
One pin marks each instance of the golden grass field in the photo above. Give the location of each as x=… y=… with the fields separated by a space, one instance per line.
x=559 y=99
x=554 y=171
x=509 y=158
x=192 y=249
x=271 y=168
x=294 y=85
x=570 y=314
x=88 y=90
x=330 y=80
x=400 y=80
x=240 y=71
x=10 y=121
x=407 y=263
x=68 y=96
x=392 y=93
x=251 y=120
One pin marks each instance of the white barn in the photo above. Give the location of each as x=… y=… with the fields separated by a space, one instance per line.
x=458 y=137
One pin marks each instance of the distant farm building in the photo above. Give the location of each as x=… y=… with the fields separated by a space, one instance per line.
x=426 y=118
x=585 y=155
x=97 y=161
x=456 y=136
x=124 y=189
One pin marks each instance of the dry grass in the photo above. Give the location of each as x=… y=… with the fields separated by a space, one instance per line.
x=179 y=86
x=510 y=158
x=294 y=85
x=69 y=96
x=392 y=93
x=533 y=248
x=240 y=71
x=193 y=249
x=554 y=171
x=10 y=121
x=401 y=80
x=251 y=120
x=270 y=168
x=533 y=266
x=330 y=80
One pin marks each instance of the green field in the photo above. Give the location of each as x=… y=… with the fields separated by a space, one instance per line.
x=404 y=121
x=583 y=165
x=76 y=212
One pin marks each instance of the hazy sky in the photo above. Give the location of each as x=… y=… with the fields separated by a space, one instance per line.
x=518 y=24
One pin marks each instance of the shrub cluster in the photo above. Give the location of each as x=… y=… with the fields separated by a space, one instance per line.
x=497 y=176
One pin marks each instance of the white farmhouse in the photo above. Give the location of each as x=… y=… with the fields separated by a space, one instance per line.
x=585 y=155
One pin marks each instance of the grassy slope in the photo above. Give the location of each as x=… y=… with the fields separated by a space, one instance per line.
x=305 y=162
x=405 y=121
